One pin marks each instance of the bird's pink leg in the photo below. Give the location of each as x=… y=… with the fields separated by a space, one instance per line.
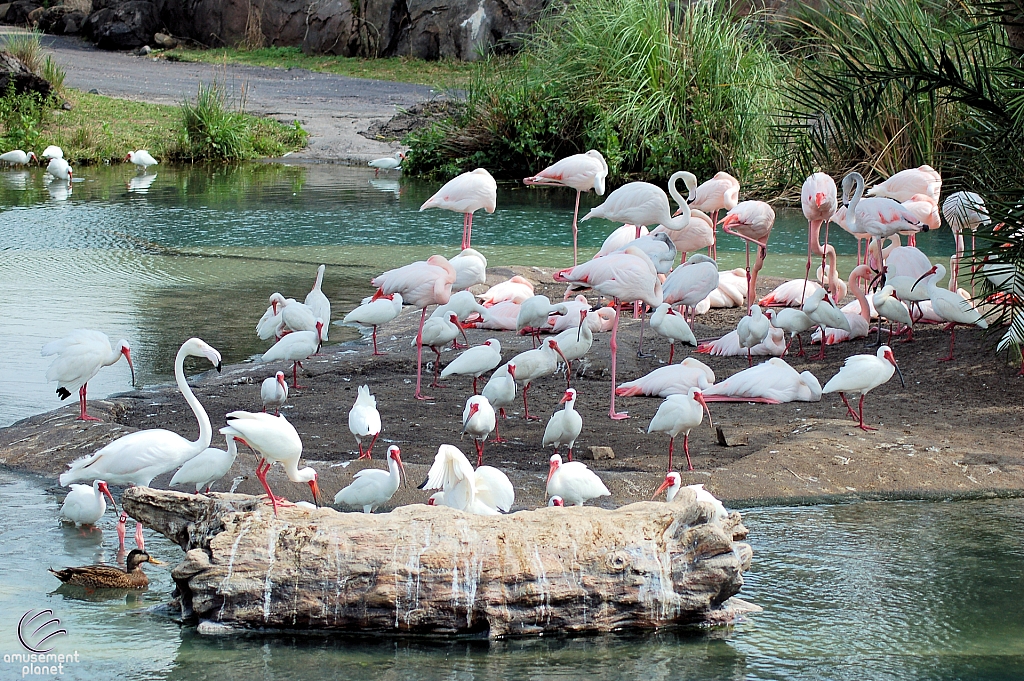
x=570 y=453
x=575 y=229
x=81 y=401
x=801 y=339
x=369 y=449
x=750 y=359
x=465 y=219
x=375 y=351
x=671 y=351
x=501 y=410
x=952 y=337
x=295 y=376
x=849 y=409
x=686 y=450
x=821 y=355
x=671 y=445
x=812 y=248
x=497 y=435
x=469 y=231
x=860 y=406
x=121 y=529
x=140 y=541
x=713 y=250
x=749 y=287
x=474 y=385
x=479 y=452
x=615 y=347
x=419 y=357
x=261 y=475
x=568 y=374
x=526 y=408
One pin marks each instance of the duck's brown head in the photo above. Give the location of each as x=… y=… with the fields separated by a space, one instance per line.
x=137 y=557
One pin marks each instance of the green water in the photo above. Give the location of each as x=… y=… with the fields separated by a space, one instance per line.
x=197 y=252
x=894 y=591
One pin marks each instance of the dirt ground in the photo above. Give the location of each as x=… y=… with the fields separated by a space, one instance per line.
x=954 y=430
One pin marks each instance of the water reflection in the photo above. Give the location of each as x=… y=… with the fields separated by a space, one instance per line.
x=140 y=184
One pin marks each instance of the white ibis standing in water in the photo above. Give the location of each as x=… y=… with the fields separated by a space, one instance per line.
x=80 y=356
x=526 y=367
x=364 y=420
x=721 y=192
x=60 y=169
x=374 y=312
x=565 y=424
x=274 y=392
x=142 y=159
x=478 y=422
x=860 y=375
x=209 y=466
x=386 y=163
x=275 y=441
x=466 y=194
x=680 y=414
x=573 y=482
x=84 y=504
x=475 y=361
x=372 y=487
x=18 y=157
x=137 y=458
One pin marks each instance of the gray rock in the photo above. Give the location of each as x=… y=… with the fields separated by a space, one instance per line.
x=17 y=13
x=33 y=17
x=128 y=26
x=12 y=70
x=164 y=41
x=598 y=453
x=3 y=10
x=143 y=51
x=60 y=20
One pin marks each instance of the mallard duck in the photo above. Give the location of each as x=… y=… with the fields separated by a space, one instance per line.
x=110 y=576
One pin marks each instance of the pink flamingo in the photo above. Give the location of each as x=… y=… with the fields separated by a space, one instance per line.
x=698 y=235
x=903 y=185
x=421 y=284
x=819 y=202
x=926 y=210
x=721 y=192
x=626 y=276
x=751 y=221
x=582 y=172
x=642 y=204
x=466 y=194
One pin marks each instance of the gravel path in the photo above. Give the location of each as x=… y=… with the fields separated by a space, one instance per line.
x=334 y=109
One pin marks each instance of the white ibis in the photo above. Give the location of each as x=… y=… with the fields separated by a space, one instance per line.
x=466 y=194
x=556 y=501
x=294 y=348
x=84 y=504
x=526 y=367
x=668 y=323
x=642 y=204
x=52 y=151
x=582 y=172
x=752 y=330
x=680 y=414
x=376 y=312
x=18 y=157
x=478 y=422
x=517 y=289
x=462 y=303
x=387 y=163
x=79 y=356
x=364 y=420
x=476 y=361
x=751 y=221
x=691 y=282
x=500 y=392
x=421 y=284
x=860 y=375
x=437 y=333
x=533 y=315
x=625 y=276
x=485 y=491
x=470 y=269
x=773 y=345
x=674 y=482
x=904 y=184
x=573 y=482
x=60 y=169
x=318 y=303
x=141 y=159
x=576 y=342
x=206 y=468
x=673 y=379
x=275 y=441
x=950 y=307
x=721 y=192
x=823 y=312
x=819 y=201
x=771 y=382
x=371 y=487
x=565 y=424
x=892 y=310
x=792 y=321
x=137 y=458
x=274 y=392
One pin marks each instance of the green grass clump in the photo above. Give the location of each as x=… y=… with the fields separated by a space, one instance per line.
x=26 y=47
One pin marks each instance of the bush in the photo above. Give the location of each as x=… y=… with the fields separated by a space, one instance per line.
x=22 y=116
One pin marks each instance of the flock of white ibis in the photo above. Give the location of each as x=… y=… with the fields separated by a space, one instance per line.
x=58 y=168
x=635 y=266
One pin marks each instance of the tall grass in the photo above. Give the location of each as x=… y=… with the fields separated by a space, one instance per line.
x=26 y=47
x=654 y=85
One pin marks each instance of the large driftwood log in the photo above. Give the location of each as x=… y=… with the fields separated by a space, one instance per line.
x=425 y=569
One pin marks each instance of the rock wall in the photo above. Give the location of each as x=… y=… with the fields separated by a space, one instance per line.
x=424 y=569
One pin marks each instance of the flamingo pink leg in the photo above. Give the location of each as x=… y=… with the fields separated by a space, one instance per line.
x=295 y=376
x=419 y=357
x=575 y=228
x=465 y=219
x=812 y=247
x=469 y=230
x=615 y=346
x=81 y=400
x=140 y=541
x=713 y=248
x=121 y=529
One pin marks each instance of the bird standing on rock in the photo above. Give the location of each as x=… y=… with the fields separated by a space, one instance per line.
x=485 y=491
x=478 y=421
x=573 y=482
x=672 y=485
x=565 y=425
x=80 y=356
x=364 y=420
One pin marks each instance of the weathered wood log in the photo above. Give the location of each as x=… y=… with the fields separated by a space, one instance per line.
x=425 y=569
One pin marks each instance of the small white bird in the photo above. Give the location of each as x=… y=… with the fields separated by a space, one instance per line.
x=274 y=392
x=485 y=491
x=533 y=364
x=462 y=303
x=672 y=379
x=668 y=323
x=208 y=467
x=52 y=152
x=60 y=169
x=565 y=424
x=141 y=158
x=438 y=332
x=680 y=414
x=17 y=157
x=478 y=421
x=533 y=315
x=860 y=375
x=364 y=420
x=771 y=382
x=500 y=392
x=84 y=504
x=374 y=312
x=295 y=347
x=950 y=307
x=574 y=482
x=792 y=321
x=672 y=485
x=576 y=342
x=285 y=315
x=892 y=310
x=823 y=312
x=752 y=330
x=318 y=302
x=387 y=163
x=475 y=361
x=470 y=269
x=79 y=357
x=372 y=487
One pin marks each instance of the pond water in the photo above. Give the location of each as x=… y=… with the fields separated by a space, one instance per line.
x=197 y=252
x=907 y=590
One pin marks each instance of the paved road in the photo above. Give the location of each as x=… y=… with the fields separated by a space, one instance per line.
x=332 y=108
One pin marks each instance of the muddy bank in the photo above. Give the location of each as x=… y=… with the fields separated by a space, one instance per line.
x=954 y=430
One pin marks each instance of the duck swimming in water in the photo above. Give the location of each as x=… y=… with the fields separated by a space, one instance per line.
x=110 y=576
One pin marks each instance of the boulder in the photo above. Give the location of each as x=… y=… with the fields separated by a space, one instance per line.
x=12 y=70
x=60 y=20
x=164 y=41
x=33 y=17
x=434 y=570
x=3 y=10
x=17 y=13
x=128 y=26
